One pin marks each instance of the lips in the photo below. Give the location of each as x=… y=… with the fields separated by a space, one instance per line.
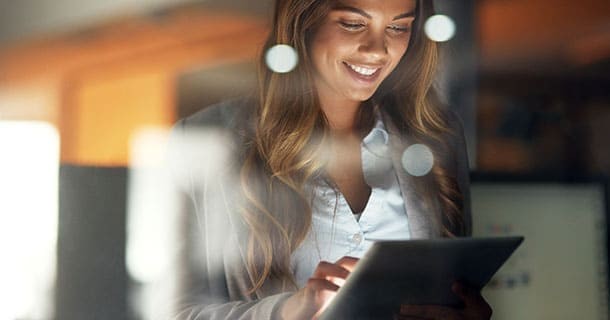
x=363 y=73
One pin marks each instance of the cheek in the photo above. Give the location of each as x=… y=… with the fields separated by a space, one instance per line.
x=332 y=44
x=400 y=46
x=397 y=51
x=335 y=45
x=321 y=46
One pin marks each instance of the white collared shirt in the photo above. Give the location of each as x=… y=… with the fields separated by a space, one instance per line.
x=336 y=231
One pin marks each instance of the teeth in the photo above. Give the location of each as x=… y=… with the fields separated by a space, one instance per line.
x=363 y=70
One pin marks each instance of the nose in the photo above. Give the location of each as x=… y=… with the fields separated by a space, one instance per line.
x=374 y=45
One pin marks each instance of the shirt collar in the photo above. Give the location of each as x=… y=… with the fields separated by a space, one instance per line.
x=376 y=140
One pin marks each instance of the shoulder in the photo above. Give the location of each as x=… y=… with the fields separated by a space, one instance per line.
x=230 y=114
x=234 y=120
x=451 y=134
x=455 y=135
x=209 y=139
x=454 y=121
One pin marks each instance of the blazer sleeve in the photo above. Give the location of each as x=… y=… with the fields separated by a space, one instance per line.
x=212 y=293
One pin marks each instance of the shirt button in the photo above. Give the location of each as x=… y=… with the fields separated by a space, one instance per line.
x=356 y=238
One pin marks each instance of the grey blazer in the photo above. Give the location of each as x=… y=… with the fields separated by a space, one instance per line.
x=206 y=169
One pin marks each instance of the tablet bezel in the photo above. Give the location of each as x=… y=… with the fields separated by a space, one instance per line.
x=422 y=273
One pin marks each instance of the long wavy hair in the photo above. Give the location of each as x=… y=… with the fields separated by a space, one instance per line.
x=286 y=149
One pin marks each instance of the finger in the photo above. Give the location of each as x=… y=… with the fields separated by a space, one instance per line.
x=463 y=291
x=325 y=269
x=321 y=284
x=468 y=294
x=473 y=300
x=348 y=262
x=321 y=292
x=430 y=312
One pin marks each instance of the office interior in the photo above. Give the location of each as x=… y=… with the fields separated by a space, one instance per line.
x=89 y=91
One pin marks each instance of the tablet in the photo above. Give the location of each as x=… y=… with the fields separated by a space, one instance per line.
x=417 y=272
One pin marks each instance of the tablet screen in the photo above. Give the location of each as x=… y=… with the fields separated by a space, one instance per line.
x=417 y=272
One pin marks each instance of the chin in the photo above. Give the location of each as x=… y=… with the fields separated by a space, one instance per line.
x=361 y=96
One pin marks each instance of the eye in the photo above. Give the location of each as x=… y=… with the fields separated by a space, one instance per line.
x=398 y=29
x=352 y=26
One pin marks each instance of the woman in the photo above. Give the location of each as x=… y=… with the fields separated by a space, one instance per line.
x=319 y=163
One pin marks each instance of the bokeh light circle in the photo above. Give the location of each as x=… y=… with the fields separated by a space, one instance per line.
x=281 y=58
x=417 y=160
x=439 y=28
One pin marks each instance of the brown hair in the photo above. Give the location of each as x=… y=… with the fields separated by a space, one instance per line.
x=286 y=149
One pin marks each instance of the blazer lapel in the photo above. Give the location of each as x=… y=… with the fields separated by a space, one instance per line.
x=422 y=224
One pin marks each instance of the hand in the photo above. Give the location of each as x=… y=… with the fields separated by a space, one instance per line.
x=310 y=301
x=475 y=308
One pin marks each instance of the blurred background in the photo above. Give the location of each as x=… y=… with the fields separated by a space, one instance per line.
x=89 y=90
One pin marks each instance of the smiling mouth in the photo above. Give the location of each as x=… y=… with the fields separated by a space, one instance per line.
x=362 y=70
x=363 y=74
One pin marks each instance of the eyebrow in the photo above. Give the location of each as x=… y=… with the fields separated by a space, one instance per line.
x=363 y=13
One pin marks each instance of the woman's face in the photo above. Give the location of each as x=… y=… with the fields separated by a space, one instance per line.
x=358 y=45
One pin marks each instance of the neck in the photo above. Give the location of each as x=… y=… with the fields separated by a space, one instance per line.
x=342 y=115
